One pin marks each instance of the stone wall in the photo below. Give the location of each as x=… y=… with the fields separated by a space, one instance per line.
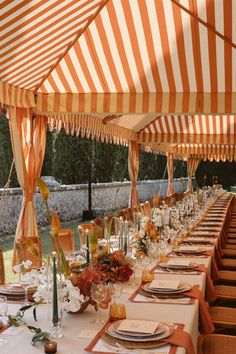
x=70 y=200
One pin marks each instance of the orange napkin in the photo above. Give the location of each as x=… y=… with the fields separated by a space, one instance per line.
x=210 y=295
x=205 y=322
x=180 y=338
x=215 y=274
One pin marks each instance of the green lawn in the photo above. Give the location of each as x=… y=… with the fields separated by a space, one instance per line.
x=7 y=246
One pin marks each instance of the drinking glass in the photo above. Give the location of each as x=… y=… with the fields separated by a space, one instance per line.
x=147 y=276
x=98 y=293
x=117 y=312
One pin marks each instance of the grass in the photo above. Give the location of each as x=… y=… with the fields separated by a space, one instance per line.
x=7 y=246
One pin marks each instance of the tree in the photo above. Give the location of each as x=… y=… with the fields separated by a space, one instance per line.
x=6 y=155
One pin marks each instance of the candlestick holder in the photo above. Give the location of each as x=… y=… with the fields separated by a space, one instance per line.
x=56 y=330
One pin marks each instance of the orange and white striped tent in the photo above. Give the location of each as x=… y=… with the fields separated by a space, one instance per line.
x=112 y=69
x=158 y=72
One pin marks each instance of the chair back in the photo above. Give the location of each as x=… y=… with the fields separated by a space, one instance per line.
x=29 y=248
x=81 y=231
x=2 y=269
x=147 y=209
x=66 y=240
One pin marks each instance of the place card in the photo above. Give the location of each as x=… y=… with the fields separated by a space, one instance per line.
x=165 y=284
x=138 y=326
x=87 y=334
x=188 y=248
x=179 y=262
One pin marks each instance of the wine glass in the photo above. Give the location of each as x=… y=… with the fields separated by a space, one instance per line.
x=98 y=293
x=115 y=290
x=3 y=306
x=3 y=313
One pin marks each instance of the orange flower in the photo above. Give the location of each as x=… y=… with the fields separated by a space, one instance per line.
x=43 y=188
x=55 y=223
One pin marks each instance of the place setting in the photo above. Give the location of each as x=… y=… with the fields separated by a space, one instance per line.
x=162 y=291
x=199 y=241
x=139 y=335
x=204 y=233
x=176 y=266
x=187 y=249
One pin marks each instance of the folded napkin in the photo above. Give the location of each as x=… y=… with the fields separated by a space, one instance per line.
x=210 y=294
x=206 y=325
x=180 y=338
x=215 y=274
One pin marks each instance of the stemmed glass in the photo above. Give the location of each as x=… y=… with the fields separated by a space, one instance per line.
x=152 y=251
x=115 y=290
x=98 y=293
x=3 y=313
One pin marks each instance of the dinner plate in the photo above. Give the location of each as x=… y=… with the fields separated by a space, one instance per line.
x=11 y=289
x=166 y=333
x=183 y=287
x=178 y=266
x=160 y=329
x=183 y=251
x=199 y=241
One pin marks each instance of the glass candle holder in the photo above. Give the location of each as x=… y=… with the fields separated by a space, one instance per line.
x=56 y=330
x=50 y=347
x=117 y=312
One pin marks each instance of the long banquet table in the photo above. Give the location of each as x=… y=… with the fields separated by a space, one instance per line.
x=78 y=330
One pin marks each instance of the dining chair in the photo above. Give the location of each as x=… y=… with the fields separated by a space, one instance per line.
x=146 y=209
x=2 y=268
x=66 y=240
x=30 y=248
x=82 y=228
x=100 y=226
x=223 y=317
x=216 y=344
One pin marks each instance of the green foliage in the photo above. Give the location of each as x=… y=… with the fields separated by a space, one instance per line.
x=69 y=159
x=152 y=166
x=17 y=321
x=225 y=171
x=180 y=169
x=6 y=155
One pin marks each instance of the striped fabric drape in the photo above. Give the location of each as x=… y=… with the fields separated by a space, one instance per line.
x=28 y=138
x=15 y=96
x=133 y=168
x=170 y=169
x=192 y=165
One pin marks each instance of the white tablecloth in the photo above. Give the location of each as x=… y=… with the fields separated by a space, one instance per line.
x=71 y=343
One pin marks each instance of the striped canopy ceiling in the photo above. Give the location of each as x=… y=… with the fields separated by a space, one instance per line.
x=132 y=69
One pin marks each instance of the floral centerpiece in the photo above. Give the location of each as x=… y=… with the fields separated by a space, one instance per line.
x=113 y=266
x=142 y=238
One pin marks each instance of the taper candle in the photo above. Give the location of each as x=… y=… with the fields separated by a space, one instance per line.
x=126 y=230
x=139 y=221
x=87 y=246
x=55 y=303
